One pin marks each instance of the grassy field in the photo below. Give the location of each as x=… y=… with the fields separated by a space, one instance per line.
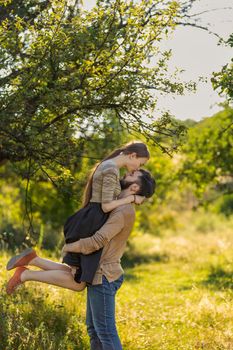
x=177 y=295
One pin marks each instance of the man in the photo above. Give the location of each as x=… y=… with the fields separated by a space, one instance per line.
x=100 y=315
x=108 y=278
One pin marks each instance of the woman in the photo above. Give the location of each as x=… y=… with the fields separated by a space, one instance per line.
x=100 y=198
x=113 y=235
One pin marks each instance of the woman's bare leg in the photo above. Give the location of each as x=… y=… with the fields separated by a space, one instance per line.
x=58 y=278
x=46 y=264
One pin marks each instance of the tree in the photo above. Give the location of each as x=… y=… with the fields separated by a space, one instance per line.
x=223 y=80
x=63 y=70
x=208 y=152
x=74 y=82
x=209 y=156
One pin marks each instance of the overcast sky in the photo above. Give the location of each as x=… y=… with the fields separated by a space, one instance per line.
x=198 y=53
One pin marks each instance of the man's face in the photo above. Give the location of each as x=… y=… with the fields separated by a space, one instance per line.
x=130 y=178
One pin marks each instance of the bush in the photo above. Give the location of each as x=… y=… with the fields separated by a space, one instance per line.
x=224 y=205
x=10 y=238
x=161 y=221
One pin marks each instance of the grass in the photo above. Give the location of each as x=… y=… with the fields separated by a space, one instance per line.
x=177 y=295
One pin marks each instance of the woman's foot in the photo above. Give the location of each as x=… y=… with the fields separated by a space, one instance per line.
x=22 y=259
x=15 y=280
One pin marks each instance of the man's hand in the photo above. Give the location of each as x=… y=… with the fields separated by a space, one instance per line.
x=71 y=247
x=139 y=199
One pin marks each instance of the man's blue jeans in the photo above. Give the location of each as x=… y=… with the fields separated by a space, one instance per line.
x=100 y=317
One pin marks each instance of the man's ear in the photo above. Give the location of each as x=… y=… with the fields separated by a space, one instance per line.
x=133 y=155
x=134 y=188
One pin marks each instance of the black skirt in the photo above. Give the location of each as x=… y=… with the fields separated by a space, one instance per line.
x=84 y=223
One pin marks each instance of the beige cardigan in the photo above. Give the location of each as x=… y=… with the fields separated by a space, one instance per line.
x=106 y=182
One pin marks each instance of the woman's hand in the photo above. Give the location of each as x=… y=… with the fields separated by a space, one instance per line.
x=139 y=199
x=129 y=199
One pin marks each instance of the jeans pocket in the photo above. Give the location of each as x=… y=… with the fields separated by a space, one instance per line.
x=117 y=284
x=112 y=287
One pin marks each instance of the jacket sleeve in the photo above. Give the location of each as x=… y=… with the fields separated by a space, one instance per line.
x=110 y=182
x=111 y=228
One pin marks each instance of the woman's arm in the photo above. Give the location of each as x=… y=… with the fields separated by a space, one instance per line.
x=110 y=181
x=106 y=207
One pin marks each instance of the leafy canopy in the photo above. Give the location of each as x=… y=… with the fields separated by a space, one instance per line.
x=65 y=71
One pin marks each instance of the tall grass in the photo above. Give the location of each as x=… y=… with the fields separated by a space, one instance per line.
x=177 y=295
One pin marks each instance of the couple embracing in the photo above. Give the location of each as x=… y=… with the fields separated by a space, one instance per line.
x=95 y=239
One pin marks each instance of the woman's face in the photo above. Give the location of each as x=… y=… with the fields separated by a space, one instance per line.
x=134 y=163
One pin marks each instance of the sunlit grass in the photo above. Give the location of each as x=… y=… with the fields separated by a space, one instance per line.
x=177 y=295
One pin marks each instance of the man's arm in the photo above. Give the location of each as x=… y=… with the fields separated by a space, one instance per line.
x=111 y=228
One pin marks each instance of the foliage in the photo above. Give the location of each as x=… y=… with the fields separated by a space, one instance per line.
x=63 y=69
x=223 y=80
x=208 y=152
x=223 y=205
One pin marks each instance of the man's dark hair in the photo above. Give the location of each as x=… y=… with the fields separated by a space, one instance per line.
x=147 y=184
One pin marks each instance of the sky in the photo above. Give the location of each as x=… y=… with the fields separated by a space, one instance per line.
x=198 y=53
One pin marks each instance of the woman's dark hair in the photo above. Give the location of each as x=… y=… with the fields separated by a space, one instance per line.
x=137 y=147
x=146 y=183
